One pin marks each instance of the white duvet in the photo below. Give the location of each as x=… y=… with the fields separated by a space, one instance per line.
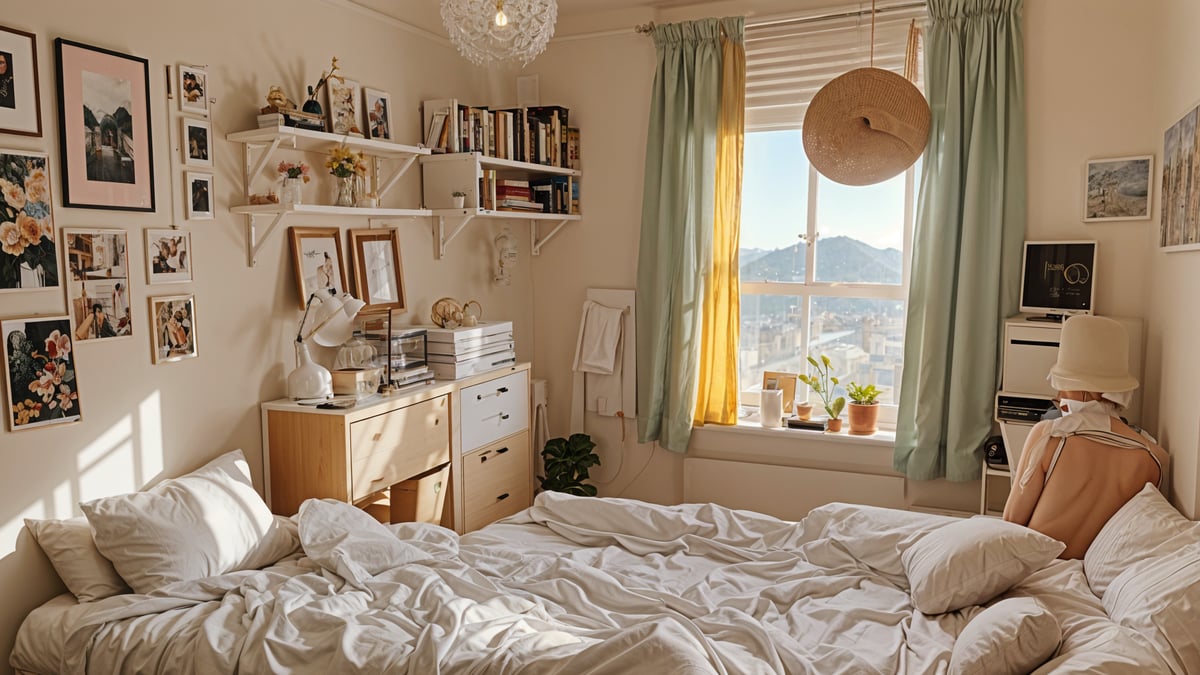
x=570 y=586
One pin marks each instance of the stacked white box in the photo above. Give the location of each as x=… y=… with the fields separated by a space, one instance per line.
x=455 y=353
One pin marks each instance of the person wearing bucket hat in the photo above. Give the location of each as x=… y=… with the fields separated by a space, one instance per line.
x=1075 y=471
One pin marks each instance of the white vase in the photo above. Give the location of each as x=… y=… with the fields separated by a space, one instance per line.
x=770 y=408
x=458 y=201
x=290 y=193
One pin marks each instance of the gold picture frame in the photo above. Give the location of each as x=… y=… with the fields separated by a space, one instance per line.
x=174 y=333
x=317 y=261
x=786 y=382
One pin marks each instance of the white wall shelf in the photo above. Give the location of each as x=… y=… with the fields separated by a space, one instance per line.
x=443 y=174
x=259 y=147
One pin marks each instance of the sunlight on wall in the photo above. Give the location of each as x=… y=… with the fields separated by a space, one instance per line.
x=150 y=437
x=104 y=464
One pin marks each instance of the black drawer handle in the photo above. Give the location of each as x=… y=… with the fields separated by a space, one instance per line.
x=502 y=497
x=498 y=392
x=501 y=451
x=482 y=458
x=504 y=416
x=502 y=390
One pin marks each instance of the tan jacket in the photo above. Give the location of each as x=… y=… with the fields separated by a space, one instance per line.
x=1089 y=482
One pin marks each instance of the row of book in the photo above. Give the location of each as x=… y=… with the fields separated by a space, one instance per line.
x=536 y=134
x=553 y=194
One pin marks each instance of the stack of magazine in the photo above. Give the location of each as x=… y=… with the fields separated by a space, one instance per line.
x=455 y=353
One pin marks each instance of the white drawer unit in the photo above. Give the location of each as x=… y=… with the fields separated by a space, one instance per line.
x=494 y=409
x=1029 y=354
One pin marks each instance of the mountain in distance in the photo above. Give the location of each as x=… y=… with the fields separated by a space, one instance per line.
x=838 y=259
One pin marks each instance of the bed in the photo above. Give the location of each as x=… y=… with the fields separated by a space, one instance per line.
x=589 y=585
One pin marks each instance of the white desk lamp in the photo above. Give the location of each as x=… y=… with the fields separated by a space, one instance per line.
x=335 y=325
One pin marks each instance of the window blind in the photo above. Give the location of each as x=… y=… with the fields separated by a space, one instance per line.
x=789 y=60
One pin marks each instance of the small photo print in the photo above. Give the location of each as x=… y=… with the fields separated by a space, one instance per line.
x=344 y=99
x=174 y=319
x=98 y=285
x=168 y=256
x=1119 y=189
x=199 y=196
x=193 y=90
x=379 y=114
x=197 y=142
x=39 y=366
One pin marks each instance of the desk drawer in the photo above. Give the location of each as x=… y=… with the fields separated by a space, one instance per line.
x=397 y=445
x=496 y=481
x=493 y=410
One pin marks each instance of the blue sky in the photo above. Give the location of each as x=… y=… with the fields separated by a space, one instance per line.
x=775 y=198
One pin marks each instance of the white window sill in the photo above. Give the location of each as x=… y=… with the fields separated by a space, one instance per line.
x=749 y=441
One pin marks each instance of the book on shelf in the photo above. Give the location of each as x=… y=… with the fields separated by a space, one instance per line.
x=573 y=148
x=519 y=204
x=292 y=118
x=430 y=110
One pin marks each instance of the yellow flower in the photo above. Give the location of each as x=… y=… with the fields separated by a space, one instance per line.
x=31 y=229
x=13 y=194
x=11 y=240
x=344 y=162
x=36 y=185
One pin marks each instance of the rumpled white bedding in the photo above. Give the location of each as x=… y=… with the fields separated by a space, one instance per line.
x=570 y=586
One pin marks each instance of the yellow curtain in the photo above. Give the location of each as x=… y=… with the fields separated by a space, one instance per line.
x=718 y=382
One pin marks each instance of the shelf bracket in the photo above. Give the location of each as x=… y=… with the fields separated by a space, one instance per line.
x=391 y=181
x=443 y=238
x=251 y=173
x=535 y=244
x=253 y=243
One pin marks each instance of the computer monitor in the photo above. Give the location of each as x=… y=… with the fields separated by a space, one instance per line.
x=1058 y=278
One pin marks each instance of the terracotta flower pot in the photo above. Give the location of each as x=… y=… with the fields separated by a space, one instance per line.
x=804 y=411
x=833 y=425
x=864 y=418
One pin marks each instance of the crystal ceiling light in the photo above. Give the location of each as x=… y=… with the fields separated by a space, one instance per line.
x=487 y=31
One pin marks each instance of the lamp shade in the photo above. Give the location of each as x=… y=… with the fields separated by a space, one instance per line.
x=335 y=320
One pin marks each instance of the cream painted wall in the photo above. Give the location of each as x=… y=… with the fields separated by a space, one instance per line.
x=1174 y=278
x=140 y=421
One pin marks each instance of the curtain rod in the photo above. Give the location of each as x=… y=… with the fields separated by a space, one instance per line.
x=648 y=28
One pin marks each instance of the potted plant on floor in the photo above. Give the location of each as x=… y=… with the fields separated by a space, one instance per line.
x=567 y=461
x=824 y=384
x=864 y=409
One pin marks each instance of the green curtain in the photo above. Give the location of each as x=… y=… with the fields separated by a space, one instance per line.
x=677 y=227
x=970 y=225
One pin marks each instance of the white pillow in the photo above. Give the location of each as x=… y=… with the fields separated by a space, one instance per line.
x=206 y=523
x=969 y=562
x=69 y=546
x=1140 y=529
x=1012 y=637
x=1159 y=598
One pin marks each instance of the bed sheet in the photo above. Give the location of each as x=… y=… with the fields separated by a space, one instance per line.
x=568 y=586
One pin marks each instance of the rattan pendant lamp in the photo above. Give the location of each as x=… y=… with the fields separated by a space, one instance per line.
x=869 y=124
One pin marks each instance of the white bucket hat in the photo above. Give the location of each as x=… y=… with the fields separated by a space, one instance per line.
x=1093 y=355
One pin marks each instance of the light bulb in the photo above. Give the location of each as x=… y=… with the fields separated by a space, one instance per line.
x=501 y=17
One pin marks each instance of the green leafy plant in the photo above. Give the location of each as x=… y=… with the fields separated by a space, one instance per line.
x=567 y=461
x=868 y=395
x=458 y=193
x=824 y=384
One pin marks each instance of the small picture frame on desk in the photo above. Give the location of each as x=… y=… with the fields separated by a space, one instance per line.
x=784 y=381
x=378 y=272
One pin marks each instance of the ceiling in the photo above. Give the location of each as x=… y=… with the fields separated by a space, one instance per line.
x=582 y=17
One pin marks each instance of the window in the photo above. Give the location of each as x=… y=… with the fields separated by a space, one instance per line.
x=824 y=267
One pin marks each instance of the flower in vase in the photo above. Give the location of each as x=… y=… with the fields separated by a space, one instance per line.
x=344 y=162
x=294 y=170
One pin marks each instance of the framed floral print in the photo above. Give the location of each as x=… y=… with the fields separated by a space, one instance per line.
x=344 y=99
x=20 y=95
x=378 y=274
x=28 y=255
x=317 y=257
x=98 y=283
x=174 y=333
x=40 y=388
x=104 y=128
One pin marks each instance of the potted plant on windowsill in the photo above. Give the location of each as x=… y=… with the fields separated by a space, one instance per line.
x=824 y=384
x=864 y=409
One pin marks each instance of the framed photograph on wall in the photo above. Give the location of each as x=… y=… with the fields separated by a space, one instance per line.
x=378 y=272
x=98 y=283
x=40 y=388
x=174 y=330
x=379 y=114
x=29 y=255
x=317 y=261
x=168 y=256
x=344 y=98
x=1179 y=221
x=193 y=90
x=197 y=142
x=20 y=93
x=1118 y=189
x=104 y=128
x=199 y=195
